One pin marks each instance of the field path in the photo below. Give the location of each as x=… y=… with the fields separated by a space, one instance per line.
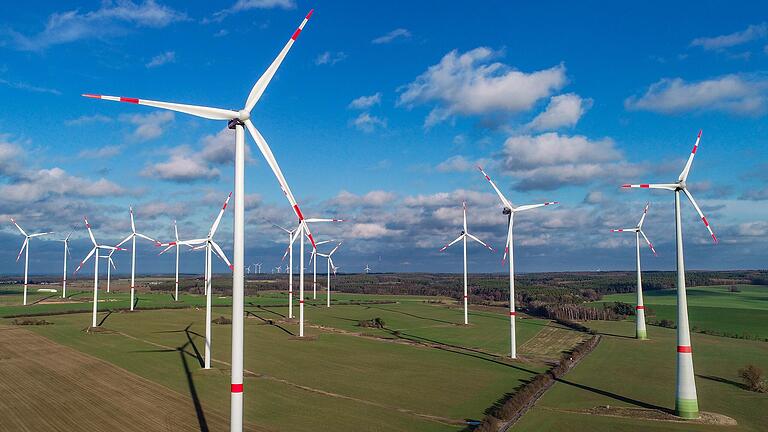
x=45 y=386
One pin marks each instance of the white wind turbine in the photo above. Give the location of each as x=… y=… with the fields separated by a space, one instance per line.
x=367 y=269
x=289 y=251
x=168 y=246
x=25 y=249
x=210 y=246
x=329 y=256
x=686 y=401
x=640 y=331
x=94 y=251
x=510 y=211
x=132 y=236
x=66 y=254
x=237 y=120
x=110 y=265
x=313 y=261
x=463 y=236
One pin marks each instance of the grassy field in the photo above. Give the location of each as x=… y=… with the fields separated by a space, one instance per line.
x=712 y=308
x=423 y=372
x=624 y=372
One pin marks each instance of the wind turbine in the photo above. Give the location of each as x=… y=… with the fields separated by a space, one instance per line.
x=510 y=211
x=168 y=246
x=132 y=236
x=463 y=236
x=313 y=261
x=210 y=246
x=237 y=120
x=289 y=251
x=94 y=251
x=329 y=256
x=640 y=332
x=367 y=269
x=66 y=254
x=25 y=249
x=686 y=401
x=110 y=265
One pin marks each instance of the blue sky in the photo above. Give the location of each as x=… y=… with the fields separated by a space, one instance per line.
x=379 y=115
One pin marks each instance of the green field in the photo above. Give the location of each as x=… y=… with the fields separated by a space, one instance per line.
x=625 y=372
x=711 y=308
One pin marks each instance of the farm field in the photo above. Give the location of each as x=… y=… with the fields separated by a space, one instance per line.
x=712 y=308
x=624 y=372
x=422 y=373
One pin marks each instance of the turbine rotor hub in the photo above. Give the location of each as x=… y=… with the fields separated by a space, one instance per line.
x=244 y=115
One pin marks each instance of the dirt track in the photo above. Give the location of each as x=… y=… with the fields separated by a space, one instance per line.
x=48 y=387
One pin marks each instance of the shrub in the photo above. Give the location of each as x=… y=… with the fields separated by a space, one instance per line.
x=734 y=288
x=30 y=321
x=372 y=323
x=754 y=378
x=221 y=320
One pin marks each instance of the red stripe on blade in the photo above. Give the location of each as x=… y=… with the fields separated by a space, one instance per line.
x=298 y=212
x=129 y=100
x=705 y=221
x=694 y=149
x=310 y=13
x=92 y=96
x=237 y=388
x=296 y=34
x=684 y=349
x=644 y=186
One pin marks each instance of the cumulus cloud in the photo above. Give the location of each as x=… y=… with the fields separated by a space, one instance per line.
x=562 y=111
x=149 y=126
x=329 y=58
x=244 y=5
x=111 y=19
x=398 y=33
x=736 y=94
x=182 y=169
x=753 y=229
x=366 y=122
x=220 y=148
x=549 y=161
x=40 y=184
x=105 y=152
x=161 y=59
x=375 y=198
x=751 y=33
x=460 y=163
x=470 y=84
x=365 y=102
x=760 y=194
x=21 y=85
x=88 y=119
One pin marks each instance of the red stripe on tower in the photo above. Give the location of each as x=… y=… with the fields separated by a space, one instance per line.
x=684 y=349
x=466 y=296
x=237 y=388
x=513 y=314
x=129 y=100
x=301 y=301
x=640 y=307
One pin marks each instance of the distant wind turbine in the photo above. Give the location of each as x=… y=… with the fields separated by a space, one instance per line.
x=67 y=253
x=168 y=246
x=510 y=211
x=25 y=249
x=686 y=401
x=640 y=331
x=463 y=236
x=329 y=256
x=132 y=236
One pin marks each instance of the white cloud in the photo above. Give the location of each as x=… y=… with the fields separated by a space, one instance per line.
x=368 y=231
x=375 y=198
x=105 y=152
x=399 y=33
x=181 y=168
x=753 y=32
x=161 y=59
x=220 y=148
x=329 y=58
x=365 y=102
x=88 y=119
x=737 y=94
x=460 y=163
x=753 y=229
x=244 y=5
x=468 y=83
x=43 y=183
x=109 y=20
x=368 y=123
x=594 y=197
x=550 y=161
x=20 y=85
x=149 y=126
x=562 y=111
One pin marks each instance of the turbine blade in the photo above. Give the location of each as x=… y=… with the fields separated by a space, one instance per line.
x=221 y=254
x=215 y=225
x=650 y=245
x=130 y=236
x=170 y=246
x=625 y=230
x=263 y=82
x=267 y=152
x=687 y=169
x=195 y=110
x=175 y=230
x=313 y=220
x=509 y=242
x=451 y=243
x=667 y=186
x=23 y=245
x=703 y=218
x=642 y=218
x=479 y=241
x=147 y=238
x=133 y=225
x=533 y=206
x=40 y=234
x=503 y=199
x=284 y=229
x=90 y=233
x=85 y=260
x=334 y=249
x=13 y=221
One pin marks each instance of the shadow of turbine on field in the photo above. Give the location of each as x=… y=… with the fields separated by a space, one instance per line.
x=42 y=299
x=412 y=315
x=270 y=322
x=618 y=397
x=723 y=381
x=109 y=312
